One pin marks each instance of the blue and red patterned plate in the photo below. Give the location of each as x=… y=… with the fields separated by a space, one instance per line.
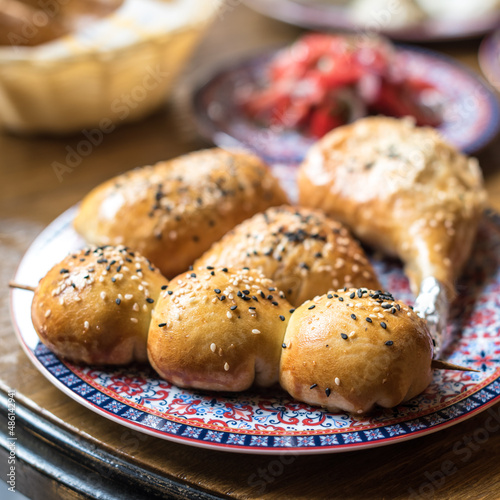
x=470 y=109
x=270 y=421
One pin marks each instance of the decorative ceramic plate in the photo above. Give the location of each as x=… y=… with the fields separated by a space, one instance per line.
x=489 y=58
x=270 y=421
x=318 y=15
x=470 y=118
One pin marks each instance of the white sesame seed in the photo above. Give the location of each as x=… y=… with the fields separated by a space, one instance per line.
x=135 y=307
x=229 y=315
x=86 y=325
x=255 y=331
x=128 y=296
x=226 y=366
x=47 y=313
x=337 y=381
x=213 y=347
x=103 y=295
x=134 y=320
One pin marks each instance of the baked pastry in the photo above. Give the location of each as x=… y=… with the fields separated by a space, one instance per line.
x=30 y=22
x=95 y=306
x=173 y=211
x=304 y=252
x=219 y=329
x=351 y=350
x=401 y=189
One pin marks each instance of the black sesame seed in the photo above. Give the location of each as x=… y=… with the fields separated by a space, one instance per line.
x=161 y=325
x=360 y=293
x=170 y=292
x=311 y=307
x=344 y=336
x=252 y=307
x=209 y=268
x=327 y=392
x=246 y=298
x=222 y=297
x=113 y=279
x=383 y=325
x=353 y=294
x=270 y=289
x=224 y=269
x=330 y=296
x=212 y=273
x=313 y=386
x=118 y=301
x=233 y=308
x=149 y=300
x=246 y=292
x=193 y=275
x=353 y=316
x=274 y=303
x=282 y=318
x=283 y=345
x=255 y=298
x=269 y=297
x=291 y=311
x=393 y=310
x=263 y=295
x=341 y=299
x=239 y=294
x=369 y=320
x=164 y=287
x=389 y=342
x=64 y=271
x=217 y=290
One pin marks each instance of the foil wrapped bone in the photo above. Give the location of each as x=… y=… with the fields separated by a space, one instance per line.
x=432 y=305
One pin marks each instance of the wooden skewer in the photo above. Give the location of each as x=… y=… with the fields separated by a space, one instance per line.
x=444 y=365
x=13 y=284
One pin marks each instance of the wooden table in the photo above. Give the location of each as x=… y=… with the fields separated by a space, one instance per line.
x=66 y=451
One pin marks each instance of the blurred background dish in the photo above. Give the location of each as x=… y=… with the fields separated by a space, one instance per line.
x=489 y=58
x=468 y=110
x=63 y=70
x=410 y=20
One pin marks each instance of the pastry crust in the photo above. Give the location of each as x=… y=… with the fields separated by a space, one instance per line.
x=304 y=252
x=351 y=350
x=219 y=329
x=401 y=189
x=173 y=211
x=94 y=307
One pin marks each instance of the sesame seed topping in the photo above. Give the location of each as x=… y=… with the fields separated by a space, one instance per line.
x=216 y=290
x=327 y=392
x=233 y=307
x=337 y=381
x=134 y=320
x=229 y=315
x=283 y=345
x=344 y=336
x=118 y=301
x=213 y=347
x=103 y=295
x=313 y=386
x=389 y=342
x=149 y=300
x=311 y=307
x=383 y=325
x=161 y=325
x=282 y=318
x=86 y=325
x=226 y=366
x=353 y=316
x=369 y=320
x=255 y=331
